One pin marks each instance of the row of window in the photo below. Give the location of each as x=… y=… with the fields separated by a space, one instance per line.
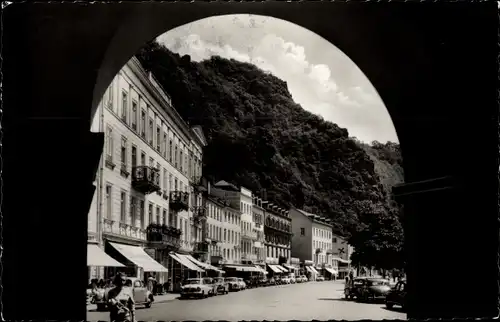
x=322 y=245
x=322 y=233
x=245 y=207
x=188 y=164
x=324 y=259
x=135 y=214
x=275 y=252
x=222 y=215
x=223 y=234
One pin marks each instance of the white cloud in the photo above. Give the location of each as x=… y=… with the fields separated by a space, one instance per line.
x=315 y=85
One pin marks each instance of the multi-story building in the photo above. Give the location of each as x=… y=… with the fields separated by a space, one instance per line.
x=342 y=251
x=223 y=230
x=150 y=164
x=242 y=199
x=259 y=215
x=312 y=240
x=278 y=232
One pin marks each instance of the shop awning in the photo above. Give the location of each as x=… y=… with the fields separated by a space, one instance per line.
x=281 y=268
x=139 y=257
x=201 y=264
x=97 y=257
x=308 y=268
x=313 y=270
x=289 y=267
x=331 y=271
x=185 y=262
x=244 y=268
x=261 y=270
x=274 y=268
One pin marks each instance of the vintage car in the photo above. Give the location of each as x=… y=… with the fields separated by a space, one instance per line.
x=243 y=285
x=234 y=284
x=320 y=278
x=292 y=278
x=141 y=294
x=222 y=285
x=353 y=287
x=210 y=281
x=285 y=280
x=373 y=289
x=196 y=287
x=302 y=278
x=397 y=296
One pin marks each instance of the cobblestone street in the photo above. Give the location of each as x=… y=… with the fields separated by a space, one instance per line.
x=307 y=301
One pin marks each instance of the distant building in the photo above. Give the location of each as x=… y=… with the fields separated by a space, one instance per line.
x=342 y=252
x=259 y=215
x=312 y=240
x=277 y=231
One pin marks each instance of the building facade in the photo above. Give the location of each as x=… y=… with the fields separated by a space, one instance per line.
x=312 y=239
x=224 y=230
x=242 y=199
x=148 y=173
x=259 y=215
x=277 y=232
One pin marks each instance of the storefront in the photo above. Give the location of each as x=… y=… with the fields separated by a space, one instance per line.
x=310 y=271
x=97 y=258
x=274 y=267
x=181 y=269
x=242 y=270
x=294 y=266
x=330 y=272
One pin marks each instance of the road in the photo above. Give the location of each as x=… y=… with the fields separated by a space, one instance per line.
x=306 y=301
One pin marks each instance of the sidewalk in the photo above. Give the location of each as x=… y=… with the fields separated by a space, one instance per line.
x=158 y=299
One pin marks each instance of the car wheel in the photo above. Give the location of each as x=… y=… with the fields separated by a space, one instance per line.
x=389 y=305
x=202 y=294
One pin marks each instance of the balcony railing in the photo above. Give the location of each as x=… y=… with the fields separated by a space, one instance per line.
x=249 y=235
x=179 y=200
x=199 y=214
x=201 y=247
x=162 y=236
x=145 y=179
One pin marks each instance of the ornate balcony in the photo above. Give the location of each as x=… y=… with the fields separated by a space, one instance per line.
x=145 y=179
x=201 y=247
x=179 y=200
x=199 y=214
x=162 y=236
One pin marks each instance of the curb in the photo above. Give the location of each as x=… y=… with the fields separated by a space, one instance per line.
x=93 y=307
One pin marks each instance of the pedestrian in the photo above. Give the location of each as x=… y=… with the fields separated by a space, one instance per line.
x=121 y=301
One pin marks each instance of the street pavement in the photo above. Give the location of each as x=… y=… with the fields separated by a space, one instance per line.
x=305 y=301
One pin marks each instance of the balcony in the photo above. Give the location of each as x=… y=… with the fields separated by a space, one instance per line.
x=201 y=247
x=179 y=200
x=199 y=214
x=249 y=235
x=162 y=236
x=145 y=179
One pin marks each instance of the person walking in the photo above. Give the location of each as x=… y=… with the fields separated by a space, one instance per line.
x=121 y=301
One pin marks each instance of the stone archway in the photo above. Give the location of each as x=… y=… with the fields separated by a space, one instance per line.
x=54 y=76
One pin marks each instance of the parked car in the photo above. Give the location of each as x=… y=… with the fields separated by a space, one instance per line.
x=373 y=289
x=243 y=285
x=353 y=288
x=222 y=285
x=320 y=278
x=303 y=278
x=196 y=287
x=141 y=294
x=397 y=296
x=234 y=284
x=285 y=280
x=293 y=280
x=210 y=282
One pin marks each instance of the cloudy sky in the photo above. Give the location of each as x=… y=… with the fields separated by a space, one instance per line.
x=320 y=77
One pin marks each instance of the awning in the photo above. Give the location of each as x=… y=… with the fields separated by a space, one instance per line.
x=243 y=268
x=331 y=271
x=97 y=257
x=281 y=268
x=313 y=270
x=261 y=270
x=308 y=268
x=274 y=268
x=185 y=262
x=139 y=257
x=290 y=267
x=200 y=264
